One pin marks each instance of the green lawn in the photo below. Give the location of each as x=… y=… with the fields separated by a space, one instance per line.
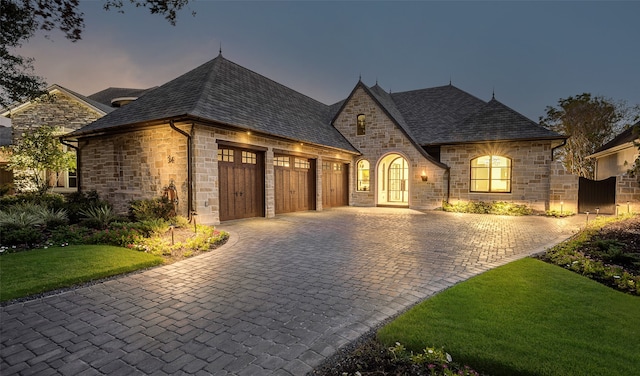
x=31 y=272
x=528 y=318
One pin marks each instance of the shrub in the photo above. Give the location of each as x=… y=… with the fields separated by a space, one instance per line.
x=481 y=207
x=155 y=208
x=118 y=237
x=558 y=214
x=72 y=234
x=78 y=201
x=98 y=217
x=20 y=235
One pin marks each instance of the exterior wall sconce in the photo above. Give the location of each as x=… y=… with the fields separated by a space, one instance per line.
x=424 y=176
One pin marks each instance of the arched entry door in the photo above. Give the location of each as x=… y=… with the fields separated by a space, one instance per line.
x=393 y=180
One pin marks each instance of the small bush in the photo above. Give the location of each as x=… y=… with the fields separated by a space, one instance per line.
x=119 y=237
x=72 y=234
x=481 y=207
x=148 y=209
x=78 y=201
x=20 y=235
x=558 y=214
x=98 y=217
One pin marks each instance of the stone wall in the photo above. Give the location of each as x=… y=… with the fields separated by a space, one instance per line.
x=59 y=111
x=135 y=165
x=627 y=194
x=563 y=193
x=530 y=169
x=382 y=137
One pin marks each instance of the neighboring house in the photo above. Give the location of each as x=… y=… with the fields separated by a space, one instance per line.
x=236 y=144
x=65 y=110
x=617 y=156
x=614 y=159
x=6 y=175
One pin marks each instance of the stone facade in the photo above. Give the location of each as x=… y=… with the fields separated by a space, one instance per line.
x=382 y=138
x=627 y=194
x=134 y=165
x=530 y=171
x=60 y=111
x=140 y=164
x=563 y=192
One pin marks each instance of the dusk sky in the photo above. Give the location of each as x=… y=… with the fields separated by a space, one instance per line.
x=530 y=53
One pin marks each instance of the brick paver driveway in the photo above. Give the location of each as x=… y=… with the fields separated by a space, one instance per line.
x=279 y=298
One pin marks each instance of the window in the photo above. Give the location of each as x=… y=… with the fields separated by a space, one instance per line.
x=491 y=173
x=248 y=157
x=361 y=125
x=225 y=155
x=326 y=166
x=301 y=163
x=281 y=161
x=337 y=167
x=363 y=175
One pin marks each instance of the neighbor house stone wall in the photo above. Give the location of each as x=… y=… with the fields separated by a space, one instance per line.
x=530 y=171
x=59 y=111
x=381 y=138
x=627 y=194
x=138 y=164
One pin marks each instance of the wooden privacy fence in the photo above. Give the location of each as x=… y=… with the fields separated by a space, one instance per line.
x=597 y=194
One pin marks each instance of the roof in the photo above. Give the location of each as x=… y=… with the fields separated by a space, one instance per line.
x=448 y=115
x=107 y=96
x=626 y=137
x=223 y=92
x=81 y=98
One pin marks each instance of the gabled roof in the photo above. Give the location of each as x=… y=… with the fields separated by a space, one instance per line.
x=623 y=139
x=221 y=91
x=79 y=97
x=107 y=95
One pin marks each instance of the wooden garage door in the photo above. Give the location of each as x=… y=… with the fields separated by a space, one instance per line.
x=294 y=183
x=335 y=184
x=241 y=176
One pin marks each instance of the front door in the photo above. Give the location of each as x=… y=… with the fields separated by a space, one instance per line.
x=393 y=181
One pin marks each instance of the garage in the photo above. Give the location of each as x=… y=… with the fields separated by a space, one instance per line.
x=241 y=176
x=294 y=183
x=335 y=184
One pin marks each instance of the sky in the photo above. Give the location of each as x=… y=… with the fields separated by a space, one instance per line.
x=530 y=54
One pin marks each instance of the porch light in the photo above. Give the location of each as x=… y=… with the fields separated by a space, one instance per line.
x=424 y=176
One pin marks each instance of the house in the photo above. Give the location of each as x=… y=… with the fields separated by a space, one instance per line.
x=63 y=109
x=234 y=144
x=614 y=159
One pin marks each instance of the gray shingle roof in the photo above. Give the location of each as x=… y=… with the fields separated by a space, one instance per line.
x=224 y=92
x=107 y=95
x=625 y=137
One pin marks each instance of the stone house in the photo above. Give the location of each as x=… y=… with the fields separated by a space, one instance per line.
x=233 y=144
x=65 y=110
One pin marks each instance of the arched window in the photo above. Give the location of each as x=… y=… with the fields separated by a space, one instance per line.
x=490 y=173
x=363 y=175
x=361 y=125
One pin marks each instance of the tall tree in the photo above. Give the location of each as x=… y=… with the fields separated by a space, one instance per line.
x=589 y=121
x=36 y=155
x=21 y=19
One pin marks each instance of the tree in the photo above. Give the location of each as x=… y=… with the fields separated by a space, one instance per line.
x=589 y=121
x=20 y=19
x=36 y=155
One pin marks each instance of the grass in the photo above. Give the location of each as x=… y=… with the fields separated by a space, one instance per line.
x=36 y=271
x=527 y=318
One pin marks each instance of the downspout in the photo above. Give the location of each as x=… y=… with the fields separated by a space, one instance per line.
x=77 y=149
x=448 y=172
x=189 y=169
x=564 y=142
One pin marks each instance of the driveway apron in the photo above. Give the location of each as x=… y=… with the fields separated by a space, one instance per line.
x=280 y=297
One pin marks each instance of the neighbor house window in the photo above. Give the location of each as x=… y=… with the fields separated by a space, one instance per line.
x=363 y=175
x=490 y=173
x=361 y=125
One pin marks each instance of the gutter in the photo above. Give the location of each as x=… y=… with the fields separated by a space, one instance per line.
x=189 y=168
x=77 y=149
x=564 y=142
